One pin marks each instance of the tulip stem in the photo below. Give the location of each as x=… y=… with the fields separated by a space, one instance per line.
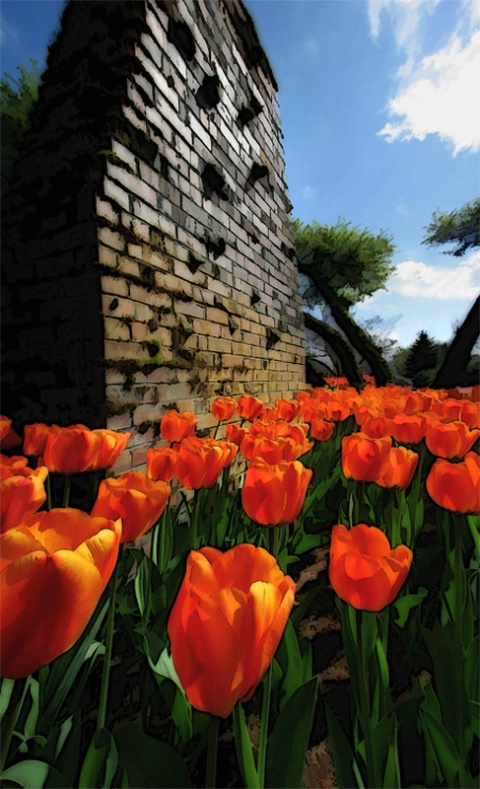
x=212 y=750
x=102 y=705
x=365 y=710
x=49 y=492
x=66 y=490
x=10 y=719
x=263 y=738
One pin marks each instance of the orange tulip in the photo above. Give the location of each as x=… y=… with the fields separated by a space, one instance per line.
x=470 y=413
x=134 y=498
x=321 y=429
x=364 y=570
x=398 y=469
x=35 y=437
x=111 y=447
x=235 y=434
x=363 y=457
x=287 y=409
x=273 y=494
x=54 y=567
x=456 y=486
x=226 y=624
x=337 y=382
x=9 y=438
x=223 y=408
x=22 y=490
x=161 y=463
x=71 y=450
x=275 y=441
x=408 y=428
x=249 y=407
x=451 y=439
x=200 y=461
x=175 y=426
x=376 y=426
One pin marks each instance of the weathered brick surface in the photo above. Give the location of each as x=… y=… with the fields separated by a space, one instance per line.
x=162 y=262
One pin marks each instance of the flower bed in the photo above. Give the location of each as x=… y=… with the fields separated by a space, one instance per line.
x=356 y=519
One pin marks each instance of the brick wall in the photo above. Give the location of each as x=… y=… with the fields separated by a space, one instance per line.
x=177 y=280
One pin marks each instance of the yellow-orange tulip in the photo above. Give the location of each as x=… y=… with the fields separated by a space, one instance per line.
x=456 y=486
x=363 y=569
x=363 y=457
x=54 y=568
x=111 y=447
x=134 y=498
x=223 y=408
x=226 y=624
x=176 y=426
x=21 y=495
x=200 y=461
x=273 y=494
x=71 y=450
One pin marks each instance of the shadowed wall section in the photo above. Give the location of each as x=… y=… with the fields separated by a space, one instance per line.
x=147 y=259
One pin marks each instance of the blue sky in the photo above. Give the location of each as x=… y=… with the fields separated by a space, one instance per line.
x=381 y=127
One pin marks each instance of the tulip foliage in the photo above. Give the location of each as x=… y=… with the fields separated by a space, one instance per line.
x=173 y=625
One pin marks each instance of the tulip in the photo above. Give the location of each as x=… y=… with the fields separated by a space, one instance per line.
x=161 y=463
x=274 y=494
x=112 y=445
x=456 y=486
x=287 y=409
x=134 y=498
x=364 y=570
x=22 y=493
x=54 y=568
x=450 y=440
x=376 y=426
x=408 y=428
x=174 y=426
x=398 y=469
x=249 y=407
x=226 y=624
x=200 y=461
x=235 y=434
x=9 y=438
x=363 y=457
x=223 y=408
x=35 y=437
x=321 y=429
x=71 y=450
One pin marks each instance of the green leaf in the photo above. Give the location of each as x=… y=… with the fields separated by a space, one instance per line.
x=442 y=746
x=33 y=774
x=403 y=605
x=288 y=741
x=343 y=758
x=149 y=762
x=289 y=657
x=243 y=748
x=100 y=763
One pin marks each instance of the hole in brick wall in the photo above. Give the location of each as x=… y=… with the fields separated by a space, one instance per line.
x=215 y=247
x=253 y=238
x=249 y=111
x=208 y=95
x=152 y=325
x=193 y=263
x=215 y=271
x=288 y=251
x=214 y=182
x=272 y=339
x=151 y=348
x=259 y=172
x=170 y=81
x=113 y=305
x=181 y=36
x=254 y=298
x=288 y=206
x=164 y=167
x=233 y=324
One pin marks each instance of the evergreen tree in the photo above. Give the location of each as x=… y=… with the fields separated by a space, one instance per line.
x=421 y=360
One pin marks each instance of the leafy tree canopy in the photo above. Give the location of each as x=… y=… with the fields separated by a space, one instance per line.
x=17 y=97
x=354 y=262
x=461 y=228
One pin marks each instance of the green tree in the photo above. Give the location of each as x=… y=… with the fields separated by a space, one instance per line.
x=461 y=228
x=17 y=97
x=421 y=360
x=346 y=264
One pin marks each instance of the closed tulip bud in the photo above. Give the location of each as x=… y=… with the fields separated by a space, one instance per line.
x=54 y=567
x=161 y=463
x=363 y=457
x=456 y=486
x=223 y=408
x=112 y=445
x=200 y=461
x=249 y=407
x=134 y=498
x=398 y=469
x=226 y=624
x=450 y=440
x=174 y=426
x=274 y=494
x=364 y=570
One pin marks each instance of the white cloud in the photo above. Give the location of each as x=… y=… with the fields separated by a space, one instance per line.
x=308 y=192
x=441 y=98
x=405 y=16
x=419 y=280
